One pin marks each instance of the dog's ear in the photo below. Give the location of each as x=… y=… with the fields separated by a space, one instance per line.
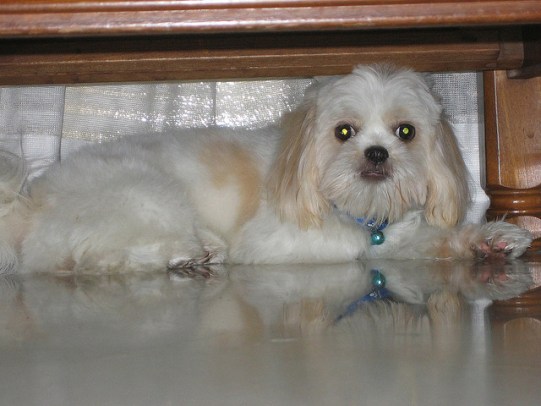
x=293 y=184
x=448 y=192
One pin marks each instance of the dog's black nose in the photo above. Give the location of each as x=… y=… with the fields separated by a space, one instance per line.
x=376 y=155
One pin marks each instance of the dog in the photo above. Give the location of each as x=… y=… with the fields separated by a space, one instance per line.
x=366 y=167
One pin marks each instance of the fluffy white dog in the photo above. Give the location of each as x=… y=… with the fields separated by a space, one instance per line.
x=365 y=168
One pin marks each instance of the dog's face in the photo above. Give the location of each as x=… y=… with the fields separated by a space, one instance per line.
x=372 y=144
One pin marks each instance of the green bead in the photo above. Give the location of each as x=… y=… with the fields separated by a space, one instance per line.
x=378 y=280
x=377 y=238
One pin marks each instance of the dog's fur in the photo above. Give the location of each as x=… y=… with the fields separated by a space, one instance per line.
x=278 y=195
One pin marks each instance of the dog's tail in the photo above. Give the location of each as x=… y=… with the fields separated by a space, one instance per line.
x=12 y=208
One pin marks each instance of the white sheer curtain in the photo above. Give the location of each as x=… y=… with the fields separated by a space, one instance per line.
x=31 y=123
x=45 y=123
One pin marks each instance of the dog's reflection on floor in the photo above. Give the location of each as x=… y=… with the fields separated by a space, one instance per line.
x=241 y=304
x=296 y=301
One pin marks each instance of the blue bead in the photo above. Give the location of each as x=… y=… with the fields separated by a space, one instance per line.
x=378 y=279
x=377 y=238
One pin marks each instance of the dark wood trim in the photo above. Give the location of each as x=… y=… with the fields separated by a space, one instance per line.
x=531 y=67
x=122 y=17
x=233 y=56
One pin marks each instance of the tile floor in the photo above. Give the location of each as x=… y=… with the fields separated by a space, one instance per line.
x=288 y=335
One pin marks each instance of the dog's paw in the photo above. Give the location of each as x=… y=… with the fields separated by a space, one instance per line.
x=194 y=268
x=182 y=262
x=501 y=240
x=194 y=272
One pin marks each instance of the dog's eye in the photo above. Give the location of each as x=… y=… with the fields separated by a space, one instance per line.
x=405 y=132
x=344 y=132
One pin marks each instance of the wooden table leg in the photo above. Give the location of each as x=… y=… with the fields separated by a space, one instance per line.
x=513 y=150
x=513 y=168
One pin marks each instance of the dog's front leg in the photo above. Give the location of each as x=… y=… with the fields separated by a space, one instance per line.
x=496 y=239
x=415 y=238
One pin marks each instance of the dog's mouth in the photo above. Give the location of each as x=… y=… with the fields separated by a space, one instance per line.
x=374 y=173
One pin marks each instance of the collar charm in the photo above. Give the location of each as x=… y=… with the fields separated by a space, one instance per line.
x=376 y=229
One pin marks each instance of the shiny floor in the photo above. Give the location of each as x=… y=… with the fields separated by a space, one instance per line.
x=288 y=335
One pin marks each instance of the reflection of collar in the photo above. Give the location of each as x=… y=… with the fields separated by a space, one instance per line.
x=378 y=292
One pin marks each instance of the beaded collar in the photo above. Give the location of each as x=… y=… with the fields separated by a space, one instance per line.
x=376 y=229
x=374 y=226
